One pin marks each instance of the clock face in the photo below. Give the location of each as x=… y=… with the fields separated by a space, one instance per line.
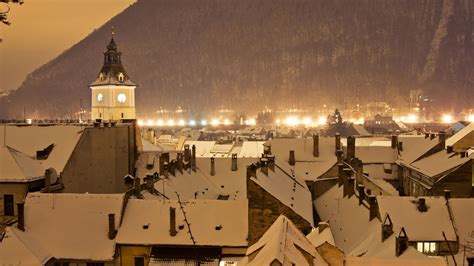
x=100 y=97
x=121 y=98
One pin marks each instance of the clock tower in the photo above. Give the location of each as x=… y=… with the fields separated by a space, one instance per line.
x=113 y=93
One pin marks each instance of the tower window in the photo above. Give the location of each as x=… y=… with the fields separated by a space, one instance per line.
x=121 y=77
x=101 y=76
x=122 y=115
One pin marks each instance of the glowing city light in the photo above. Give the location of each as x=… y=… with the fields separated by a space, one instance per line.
x=470 y=118
x=140 y=122
x=170 y=122
x=227 y=122
x=192 y=123
x=411 y=118
x=278 y=121
x=204 y=122
x=215 y=122
x=446 y=118
x=251 y=122
x=322 y=121
x=181 y=122
x=150 y=123
x=160 y=122
x=306 y=121
x=292 y=121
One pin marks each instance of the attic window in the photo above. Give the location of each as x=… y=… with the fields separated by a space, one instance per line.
x=101 y=76
x=145 y=226
x=428 y=248
x=218 y=227
x=121 y=77
x=44 y=153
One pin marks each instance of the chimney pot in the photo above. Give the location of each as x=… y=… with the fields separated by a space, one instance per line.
x=373 y=207
x=21 y=215
x=193 y=159
x=432 y=136
x=112 y=231
x=447 y=194
x=234 y=162
x=315 y=145
x=350 y=147
x=422 y=205
x=360 y=190
x=187 y=153
x=173 y=231
x=213 y=170
x=348 y=189
x=337 y=138
x=427 y=135
x=394 y=141
x=292 y=160
x=442 y=137
x=341 y=174
x=400 y=146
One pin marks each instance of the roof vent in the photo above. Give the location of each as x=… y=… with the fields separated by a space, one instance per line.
x=422 y=205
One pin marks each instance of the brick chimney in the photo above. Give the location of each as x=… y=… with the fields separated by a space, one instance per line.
x=271 y=162
x=348 y=189
x=401 y=242
x=387 y=227
x=432 y=136
x=315 y=145
x=233 y=166
x=394 y=141
x=442 y=138
x=337 y=138
x=21 y=215
x=264 y=166
x=361 y=192
x=400 y=146
x=136 y=185
x=340 y=174
x=173 y=231
x=267 y=149
x=213 y=169
x=251 y=171
x=193 y=158
x=112 y=231
x=292 y=160
x=447 y=194
x=187 y=153
x=350 y=148
x=373 y=207
x=427 y=135
x=149 y=182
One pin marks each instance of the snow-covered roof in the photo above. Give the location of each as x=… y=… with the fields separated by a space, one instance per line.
x=378 y=171
x=212 y=223
x=16 y=166
x=420 y=226
x=348 y=220
x=460 y=135
x=318 y=238
x=307 y=166
x=71 y=226
x=290 y=191
x=285 y=243
x=203 y=148
x=20 y=250
x=251 y=149
x=415 y=146
x=439 y=163
x=32 y=138
x=200 y=184
x=462 y=211
x=376 y=154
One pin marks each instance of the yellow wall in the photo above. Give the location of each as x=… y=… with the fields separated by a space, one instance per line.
x=464 y=143
x=127 y=254
x=110 y=107
x=18 y=190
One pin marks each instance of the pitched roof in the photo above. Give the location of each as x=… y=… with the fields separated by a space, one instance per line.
x=420 y=226
x=289 y=190
x=462 y=211
x=414 y=147
x=285 y=243
x=212 y=222
x=71 y=226
x=460 y=135
x=439 y=163
x=318 y=238
x=19 y=250
x=30 y=139
x=16 y=166
x=307 y=167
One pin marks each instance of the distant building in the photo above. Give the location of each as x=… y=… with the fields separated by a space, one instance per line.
x=113 y=93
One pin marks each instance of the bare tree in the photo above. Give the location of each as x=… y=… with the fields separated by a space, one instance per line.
x=4 y=12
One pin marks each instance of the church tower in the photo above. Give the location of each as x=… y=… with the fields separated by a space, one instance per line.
x=113 y=93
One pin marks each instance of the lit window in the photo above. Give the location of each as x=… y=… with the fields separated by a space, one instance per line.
x=121 y=77
x=101 y=76
x=428 y=248
x=121 y=98
x=100 y=97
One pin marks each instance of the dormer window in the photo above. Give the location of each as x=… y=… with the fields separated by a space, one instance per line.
x=101 y=76
x=121 y=77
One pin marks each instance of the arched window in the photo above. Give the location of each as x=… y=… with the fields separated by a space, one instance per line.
x=121 y=77
x=101 y=76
